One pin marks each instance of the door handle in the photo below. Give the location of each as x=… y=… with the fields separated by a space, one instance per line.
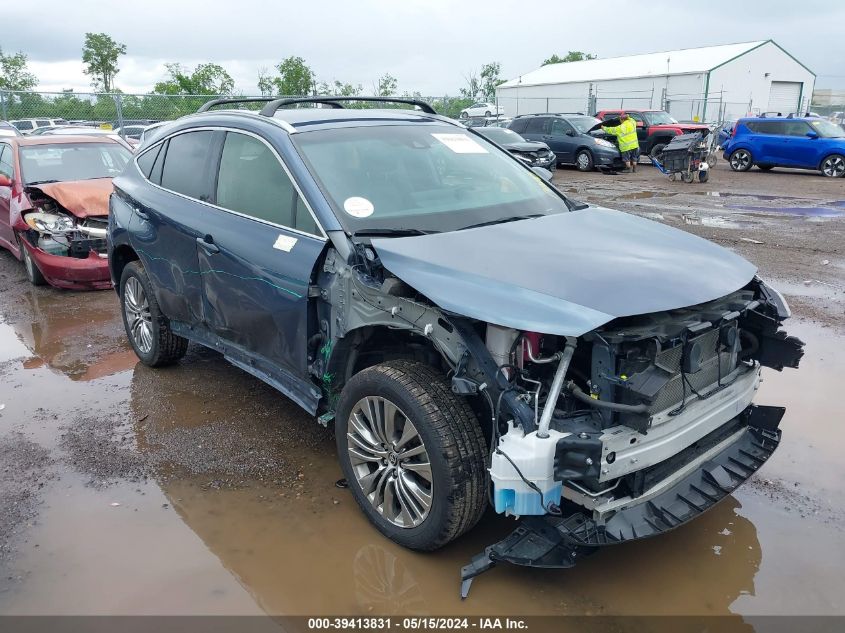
x=207 y=245
x=141 y=214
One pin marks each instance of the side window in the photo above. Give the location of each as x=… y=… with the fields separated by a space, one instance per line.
x=637 y=117
x=518 y=125
x=795 y=128
x=185 y=164
x=769 y=127
x=24 y=125
x=559 y=127
x=252 y=181
x=537 y=125
x=6 y=165
x=147 y=160
x=158 y=166
x=42 y=123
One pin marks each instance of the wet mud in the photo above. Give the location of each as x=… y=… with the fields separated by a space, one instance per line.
x=198 y=489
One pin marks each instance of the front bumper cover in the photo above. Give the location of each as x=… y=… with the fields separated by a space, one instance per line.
x=71 y=273
x=558 y=542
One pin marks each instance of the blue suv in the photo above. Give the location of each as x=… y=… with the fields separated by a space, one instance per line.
x=802 y=143
x=462 y=322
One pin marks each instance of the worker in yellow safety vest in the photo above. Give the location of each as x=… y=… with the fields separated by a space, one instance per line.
x=626 y=134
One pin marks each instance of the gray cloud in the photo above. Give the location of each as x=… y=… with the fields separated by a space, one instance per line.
x=429 y=45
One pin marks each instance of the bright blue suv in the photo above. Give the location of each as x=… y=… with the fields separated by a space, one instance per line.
x=803 y=143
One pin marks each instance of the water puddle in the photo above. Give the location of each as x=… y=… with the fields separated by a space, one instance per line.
x=819 y=212
x=240 y=513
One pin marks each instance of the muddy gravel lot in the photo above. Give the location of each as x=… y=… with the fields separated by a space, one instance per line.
x=197 y=489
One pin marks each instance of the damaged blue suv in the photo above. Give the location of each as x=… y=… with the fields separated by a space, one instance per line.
x=475 y=336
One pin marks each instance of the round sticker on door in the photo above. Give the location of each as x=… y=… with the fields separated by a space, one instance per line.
x=358 y=207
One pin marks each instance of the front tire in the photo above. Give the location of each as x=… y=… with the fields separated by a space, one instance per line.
x=834 y=166
x=146 y=327
x=413 y=454
x=657 y=151
x=33 y=274
x=741 y=160
x=464 y=115
x=584 y=160
x=487 y=114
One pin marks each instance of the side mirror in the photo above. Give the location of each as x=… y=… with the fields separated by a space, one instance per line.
x=812 y=134
x=5 y=181
x=545 y=174
x=570 y=132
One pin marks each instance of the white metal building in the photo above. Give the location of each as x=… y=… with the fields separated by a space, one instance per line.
x=707 y=84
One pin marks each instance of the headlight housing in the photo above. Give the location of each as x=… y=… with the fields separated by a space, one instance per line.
x=50 y=223
x=604 y=143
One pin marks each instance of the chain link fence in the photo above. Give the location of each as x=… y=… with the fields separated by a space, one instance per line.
x=117 y=109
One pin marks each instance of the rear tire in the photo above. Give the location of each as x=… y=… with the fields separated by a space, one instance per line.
x=33 y=274
x=464 y=115
x=584 y=160
x=146 y=327
x=420 y=501
x=833 y=166
x=741 y=160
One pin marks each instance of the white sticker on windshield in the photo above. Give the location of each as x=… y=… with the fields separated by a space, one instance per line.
x=285 y=243
x=358 y=207
x=460 y=143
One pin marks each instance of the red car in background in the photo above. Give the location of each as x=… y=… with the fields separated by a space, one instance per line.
x=655 y=128
x=54 y=204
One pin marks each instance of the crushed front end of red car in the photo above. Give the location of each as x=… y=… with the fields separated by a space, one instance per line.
x=64 y=232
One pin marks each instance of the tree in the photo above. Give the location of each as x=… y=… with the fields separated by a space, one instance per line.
x=295 y=77
x=387 y=85
x=472 y=88
x=490 y=79
x=207 y=79
x=571 y=56
x=14 y=74
x=99 y=54
x=265 y=82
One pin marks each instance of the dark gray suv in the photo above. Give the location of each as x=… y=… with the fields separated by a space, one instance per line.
x=572 y=139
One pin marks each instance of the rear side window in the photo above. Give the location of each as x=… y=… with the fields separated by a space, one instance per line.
x=252 y=181
x=6 y=166
x=518 y=125
x=147 y=159
x=185 y=168
x=536 y=125
x=42 y=123
x=766 y=127
x=23 y=125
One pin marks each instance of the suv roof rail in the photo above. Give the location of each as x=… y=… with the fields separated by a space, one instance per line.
x=273 y=105
x=216 y=102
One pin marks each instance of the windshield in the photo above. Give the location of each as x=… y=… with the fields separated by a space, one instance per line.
x=72 y=161
x=659 y=118
x=827 y=129
x=423 y=177
x=583 y=123
x=500 y=135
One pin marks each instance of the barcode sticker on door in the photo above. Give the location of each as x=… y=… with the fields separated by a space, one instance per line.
x=285 y=243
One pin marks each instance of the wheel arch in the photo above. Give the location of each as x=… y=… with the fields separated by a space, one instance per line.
x=119 y=258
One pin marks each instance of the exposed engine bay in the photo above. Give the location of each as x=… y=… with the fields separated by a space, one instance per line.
x=620 y=433
x=57 y=231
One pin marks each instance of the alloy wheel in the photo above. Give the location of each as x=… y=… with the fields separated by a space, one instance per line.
x=834 y=166
x=740 y=160
x=390 y=461
x=583 y=161
x=138 y=318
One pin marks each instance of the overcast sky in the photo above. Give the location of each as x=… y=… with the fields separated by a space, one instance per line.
x=428 y=45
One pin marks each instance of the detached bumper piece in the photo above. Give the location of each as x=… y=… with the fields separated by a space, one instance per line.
x=558 y=542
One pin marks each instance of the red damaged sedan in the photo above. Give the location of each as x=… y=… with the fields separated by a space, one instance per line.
x=54 y=204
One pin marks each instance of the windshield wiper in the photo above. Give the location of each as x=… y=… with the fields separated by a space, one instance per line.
x=40 y=182
x=513 y=218
x=386 y=232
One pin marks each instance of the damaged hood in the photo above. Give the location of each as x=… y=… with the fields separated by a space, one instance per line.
x=82 y=198
x=565 y=274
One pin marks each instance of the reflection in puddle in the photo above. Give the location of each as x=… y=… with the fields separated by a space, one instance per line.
x=818 y=212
